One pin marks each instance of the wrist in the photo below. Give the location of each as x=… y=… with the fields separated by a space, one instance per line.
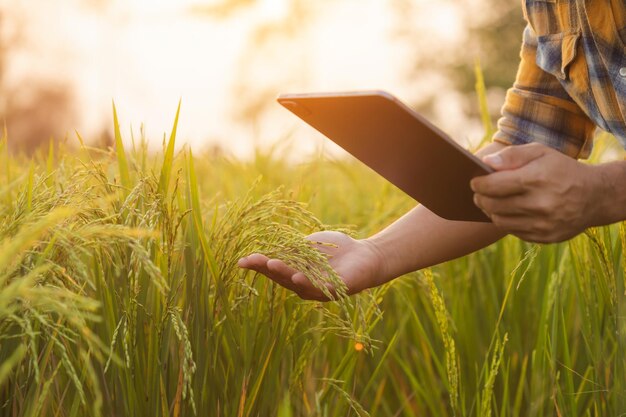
x=608 y=194
x=380 y=262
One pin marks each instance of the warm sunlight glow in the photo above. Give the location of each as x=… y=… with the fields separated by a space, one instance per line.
x=273 y=9
x=154 y=6
x=226 y=59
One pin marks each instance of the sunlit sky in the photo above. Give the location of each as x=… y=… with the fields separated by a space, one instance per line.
x=148 y=54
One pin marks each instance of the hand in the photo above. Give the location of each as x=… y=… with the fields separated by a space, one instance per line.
x=537 y=193
x=357 y=262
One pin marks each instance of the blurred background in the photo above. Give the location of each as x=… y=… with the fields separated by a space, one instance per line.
x=62 y=62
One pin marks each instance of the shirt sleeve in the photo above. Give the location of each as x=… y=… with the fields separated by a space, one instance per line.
x=538 y=109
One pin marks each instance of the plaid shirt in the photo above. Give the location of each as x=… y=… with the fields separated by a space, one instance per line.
x=572 y=76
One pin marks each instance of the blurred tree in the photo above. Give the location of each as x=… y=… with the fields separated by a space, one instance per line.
x=495 y=39
x=272 y=38
x=4 y=50
x=34 y=111
x=493 y=33
x=37 y=114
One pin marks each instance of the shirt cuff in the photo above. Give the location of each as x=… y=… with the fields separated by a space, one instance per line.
x=529 y=117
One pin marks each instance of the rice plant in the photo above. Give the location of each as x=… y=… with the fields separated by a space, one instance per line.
x=120 y=295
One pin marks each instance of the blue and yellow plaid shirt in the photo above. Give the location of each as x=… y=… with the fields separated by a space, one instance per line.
x=572 y=76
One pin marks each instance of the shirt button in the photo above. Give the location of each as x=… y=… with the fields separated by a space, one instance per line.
x=622 y=72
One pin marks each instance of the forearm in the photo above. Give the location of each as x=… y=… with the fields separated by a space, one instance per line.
x=421 y=239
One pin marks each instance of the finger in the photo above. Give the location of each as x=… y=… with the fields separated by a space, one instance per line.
x=302 y=285
x=525 y=227
x=306 y=287
x=511 y=224
x=507 y=206
x=318 y=240
x=255 y=261
x=515 y=156
x=500 y=184
x=261 y=264
x=279 y=268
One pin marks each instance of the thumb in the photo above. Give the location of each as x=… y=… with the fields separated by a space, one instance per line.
x=514 y=156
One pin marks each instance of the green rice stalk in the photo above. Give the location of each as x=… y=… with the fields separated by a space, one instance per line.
x=487 y=394
x=11 y=362
x=354 y=405
x=441 y=314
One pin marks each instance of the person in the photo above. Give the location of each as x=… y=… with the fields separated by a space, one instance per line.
x=571 y=78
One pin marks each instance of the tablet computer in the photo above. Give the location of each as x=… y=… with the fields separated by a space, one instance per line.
x=399 y=144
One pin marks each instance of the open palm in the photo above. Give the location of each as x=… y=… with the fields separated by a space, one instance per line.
x=355 y=261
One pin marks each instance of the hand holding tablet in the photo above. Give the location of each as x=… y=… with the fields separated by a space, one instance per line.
x=399 y=144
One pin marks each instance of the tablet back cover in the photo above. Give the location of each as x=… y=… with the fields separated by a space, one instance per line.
x=400 y=145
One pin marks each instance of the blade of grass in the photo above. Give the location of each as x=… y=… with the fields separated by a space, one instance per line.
x=122 y=162
x=168 y=161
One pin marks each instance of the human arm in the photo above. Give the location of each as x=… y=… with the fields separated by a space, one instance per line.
x=416 y=240
x=544 y=196
x=539 y=194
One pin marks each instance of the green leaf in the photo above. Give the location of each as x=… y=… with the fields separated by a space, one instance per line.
x=122 y=162
x=9 y=364
x=29 y=190
x=481 y=92
x=166 y=171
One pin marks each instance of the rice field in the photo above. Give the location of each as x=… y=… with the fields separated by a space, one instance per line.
x=120 y=295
